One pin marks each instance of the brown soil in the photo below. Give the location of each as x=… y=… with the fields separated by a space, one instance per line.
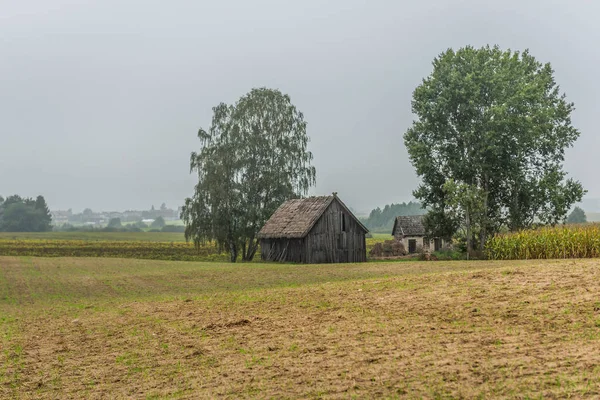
x=515 y=330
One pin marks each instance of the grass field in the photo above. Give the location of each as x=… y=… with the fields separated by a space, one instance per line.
x=126 y=328
x=96 y=236
x=174 y=251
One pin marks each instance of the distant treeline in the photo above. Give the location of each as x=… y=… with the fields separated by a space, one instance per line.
x=121 y=228
x=382 y=221
x=21 y=214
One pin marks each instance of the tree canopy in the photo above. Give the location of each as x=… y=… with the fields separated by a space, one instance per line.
x=496 y=121
x=19 y=214
x=158 y=223
x=465 y=205
x=114 y=223
x=577 y=216
x=382 y=220
x=253 y=158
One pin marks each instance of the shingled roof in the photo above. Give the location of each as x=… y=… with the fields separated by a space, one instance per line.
x=295 y=218
x=410 y=225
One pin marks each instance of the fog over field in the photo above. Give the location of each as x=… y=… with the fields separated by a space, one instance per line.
x=100 y=101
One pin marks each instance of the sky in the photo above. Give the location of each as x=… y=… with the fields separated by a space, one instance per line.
x=101 y=100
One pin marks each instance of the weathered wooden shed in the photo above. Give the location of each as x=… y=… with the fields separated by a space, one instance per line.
x=313 y=230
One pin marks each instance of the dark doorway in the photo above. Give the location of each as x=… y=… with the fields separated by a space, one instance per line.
x=412 y=245
x=437 y=244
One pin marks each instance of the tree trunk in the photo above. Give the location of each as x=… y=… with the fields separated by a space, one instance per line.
x=482 y=237
x=252 y=247
x=469 y=233
x=484 y=217
x=233 y=252
x=244 y=253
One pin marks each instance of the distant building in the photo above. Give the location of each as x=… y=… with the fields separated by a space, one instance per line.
x=410 y=230
x=60 y=217
x=313 y=230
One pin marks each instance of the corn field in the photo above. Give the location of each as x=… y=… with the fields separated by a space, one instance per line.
x=565 y=241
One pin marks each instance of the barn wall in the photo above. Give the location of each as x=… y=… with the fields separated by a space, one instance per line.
x=327 y=243
x=423 y=243
x=291 y=250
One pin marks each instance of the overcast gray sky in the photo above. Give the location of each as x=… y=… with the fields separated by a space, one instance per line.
x=100 y=100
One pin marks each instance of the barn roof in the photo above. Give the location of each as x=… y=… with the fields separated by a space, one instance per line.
x=295 y=218
x=410 y=225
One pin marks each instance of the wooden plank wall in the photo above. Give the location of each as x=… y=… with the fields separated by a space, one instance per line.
x=326 y=243
x=281 y=250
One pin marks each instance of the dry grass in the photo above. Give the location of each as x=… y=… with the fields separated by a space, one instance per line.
x=109 y=328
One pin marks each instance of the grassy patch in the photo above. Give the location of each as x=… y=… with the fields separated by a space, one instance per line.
x=180 y=251
x=83 y=327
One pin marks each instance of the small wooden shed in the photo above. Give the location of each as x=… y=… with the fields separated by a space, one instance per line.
x=313 y=230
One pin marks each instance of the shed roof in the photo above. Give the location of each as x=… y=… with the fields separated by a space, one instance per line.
x=295 y=218
x=410 y=225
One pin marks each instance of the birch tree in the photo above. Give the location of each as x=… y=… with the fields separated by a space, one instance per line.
x=253 y=157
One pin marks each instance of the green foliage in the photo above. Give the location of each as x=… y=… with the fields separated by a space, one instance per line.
x=173 y=228
x=383 y=220
x=114 y=223
x=19 y=214
x=466 y=205
x=494 y=120
x=253 y=158
x=141 y=225
x=45 y=221
x=158 y=223
x=577 y=216
x=20 y=217
x=449 y=255
x=439 y=223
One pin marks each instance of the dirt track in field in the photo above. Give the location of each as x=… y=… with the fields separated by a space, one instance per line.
x=513 y=330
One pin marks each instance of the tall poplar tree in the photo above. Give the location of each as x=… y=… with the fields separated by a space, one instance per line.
x=497 y=122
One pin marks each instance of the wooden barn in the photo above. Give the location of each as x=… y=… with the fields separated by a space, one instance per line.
x=313 y=230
